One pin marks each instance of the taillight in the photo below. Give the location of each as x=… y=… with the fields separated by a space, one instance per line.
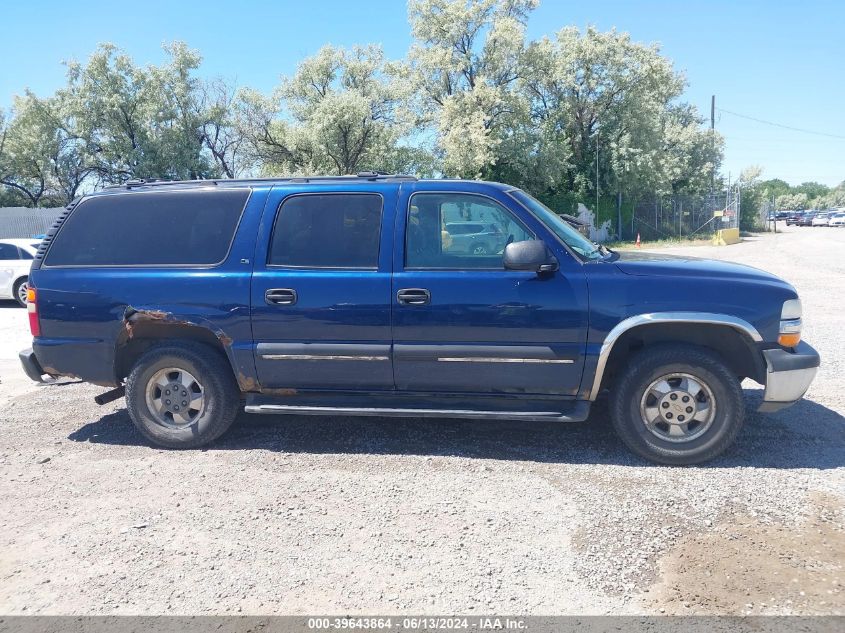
x=32 y=309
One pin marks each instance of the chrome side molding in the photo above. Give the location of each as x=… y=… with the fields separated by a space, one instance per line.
x=488 y=359
x=319 y=357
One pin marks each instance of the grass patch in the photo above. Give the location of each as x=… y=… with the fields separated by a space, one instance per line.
x=699 y=240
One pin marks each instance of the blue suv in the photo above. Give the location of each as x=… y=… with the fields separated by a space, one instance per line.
x=350 y=296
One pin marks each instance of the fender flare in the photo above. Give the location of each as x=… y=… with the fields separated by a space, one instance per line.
x=638 y=320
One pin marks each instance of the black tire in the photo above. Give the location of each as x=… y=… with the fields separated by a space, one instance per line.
x=16 y=291
x=704 y=366
x=221 y=396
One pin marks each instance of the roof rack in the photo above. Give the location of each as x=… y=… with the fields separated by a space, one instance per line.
x=364 y=175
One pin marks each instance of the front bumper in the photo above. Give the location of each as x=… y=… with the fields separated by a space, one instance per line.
x=788 y=375
x=31 y=366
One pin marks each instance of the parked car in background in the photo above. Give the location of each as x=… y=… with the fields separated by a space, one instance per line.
x=475 y=238
x=807 y=218
x=837 y=219
x=15 y=260
x=341 y=296
x=794 y=218
x=821 y=219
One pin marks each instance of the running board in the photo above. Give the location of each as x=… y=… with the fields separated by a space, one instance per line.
x=578 y=413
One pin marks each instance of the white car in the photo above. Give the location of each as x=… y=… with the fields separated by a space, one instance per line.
x=837 y=219
x=15 y=261
x=821 y=219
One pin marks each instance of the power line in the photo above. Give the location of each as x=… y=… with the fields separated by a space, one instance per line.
x=780 y=125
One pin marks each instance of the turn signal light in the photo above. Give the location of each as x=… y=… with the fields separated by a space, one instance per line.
x=790 y=339
x=32 y=309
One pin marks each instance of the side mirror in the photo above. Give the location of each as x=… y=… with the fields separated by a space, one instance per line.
x=529 y=255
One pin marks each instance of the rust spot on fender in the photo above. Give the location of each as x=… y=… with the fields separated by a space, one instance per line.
x=132 y=316
x=246 y=383
x=55 y=373
x=226 y=340
x=280 y=392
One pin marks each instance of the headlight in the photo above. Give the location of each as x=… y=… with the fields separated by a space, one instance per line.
x=790 y=323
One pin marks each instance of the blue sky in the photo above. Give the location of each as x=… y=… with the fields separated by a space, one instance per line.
x=782 y=62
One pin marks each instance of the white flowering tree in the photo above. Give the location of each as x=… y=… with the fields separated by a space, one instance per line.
x=601 y=91
x=464 y=63
x=472 y=99
x=342 y=112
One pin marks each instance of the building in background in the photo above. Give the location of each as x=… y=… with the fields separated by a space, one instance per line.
x=26 y=223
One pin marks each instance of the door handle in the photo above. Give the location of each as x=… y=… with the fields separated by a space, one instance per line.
x=413 y=296
x=280 y=296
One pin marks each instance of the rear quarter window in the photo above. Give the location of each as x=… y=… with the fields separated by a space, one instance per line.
x=182 y=228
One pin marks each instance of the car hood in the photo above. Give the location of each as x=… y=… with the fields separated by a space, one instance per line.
x=658 y=264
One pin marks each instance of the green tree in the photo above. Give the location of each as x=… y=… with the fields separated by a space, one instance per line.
x=812 y=189
x=472 y=99
x=222 y=130
x=754 y=202
x=41 y=161
x=341 y=112
x=774 y=187
x=600 y=91
x=139 y=122
x=835 y=197
x=464 y=63
x=792 y=201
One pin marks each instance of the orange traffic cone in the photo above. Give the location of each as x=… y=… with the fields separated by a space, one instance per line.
x=638 y=241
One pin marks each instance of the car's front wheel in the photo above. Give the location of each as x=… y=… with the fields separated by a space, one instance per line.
x=677 y=404
x=182 y=395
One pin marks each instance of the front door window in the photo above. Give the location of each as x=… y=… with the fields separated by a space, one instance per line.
x=459 y=231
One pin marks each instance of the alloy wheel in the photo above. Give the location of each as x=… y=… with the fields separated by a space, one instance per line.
x=678 y=407
x=175 y=397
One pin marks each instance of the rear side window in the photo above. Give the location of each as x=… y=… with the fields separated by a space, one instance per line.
x=8 y=252
x=327 y=231
x=188 y=228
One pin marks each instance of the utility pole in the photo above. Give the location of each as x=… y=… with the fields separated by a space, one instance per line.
x=713 y=112
x=619 y=210
x=596 y=219
x=713 y=152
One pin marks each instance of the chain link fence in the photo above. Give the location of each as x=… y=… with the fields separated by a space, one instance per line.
x=682 y=216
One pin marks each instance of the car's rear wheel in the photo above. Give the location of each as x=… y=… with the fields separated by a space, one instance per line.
x=677 y=404
x=21 y=286
x=182 y=395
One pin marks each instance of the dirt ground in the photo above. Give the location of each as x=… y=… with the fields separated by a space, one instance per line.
x=301 y=515
x=751 y=566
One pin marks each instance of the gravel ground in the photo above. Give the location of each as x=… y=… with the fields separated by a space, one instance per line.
x=337 y=515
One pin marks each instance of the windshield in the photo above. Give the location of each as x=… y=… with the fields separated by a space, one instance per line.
x=560 y=227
